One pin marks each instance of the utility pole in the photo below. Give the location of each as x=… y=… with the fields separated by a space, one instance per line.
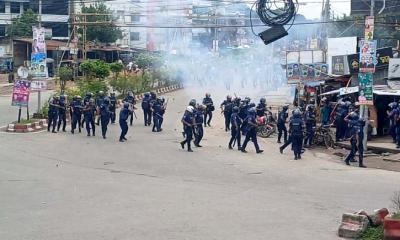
x=40 y=25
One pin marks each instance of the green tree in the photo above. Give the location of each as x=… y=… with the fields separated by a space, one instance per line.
x=22 y=25
x=116 y=68
x=65 y=74
x=95 y=69
x=105 y=33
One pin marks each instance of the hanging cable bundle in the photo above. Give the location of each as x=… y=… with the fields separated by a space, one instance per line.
x=276 y=12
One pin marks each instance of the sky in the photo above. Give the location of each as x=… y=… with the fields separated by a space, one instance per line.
x=312 y=8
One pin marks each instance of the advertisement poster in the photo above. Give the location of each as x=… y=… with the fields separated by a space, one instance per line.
x=383 y=55
x=38 y=85
x=321 y=71
x=365 y=94
x=39 y=54
x=293 y=72
x=338 y=65
x=368 y=56
x=394 y=68
x=369 y=28
x=20 y=95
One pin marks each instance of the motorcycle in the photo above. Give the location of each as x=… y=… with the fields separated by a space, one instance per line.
x=266 y=125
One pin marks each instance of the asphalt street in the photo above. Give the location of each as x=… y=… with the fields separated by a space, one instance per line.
x=64 y=186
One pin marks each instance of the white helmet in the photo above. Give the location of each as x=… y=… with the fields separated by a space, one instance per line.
x=190 y=109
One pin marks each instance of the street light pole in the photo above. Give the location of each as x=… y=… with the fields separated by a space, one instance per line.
x=40 y=25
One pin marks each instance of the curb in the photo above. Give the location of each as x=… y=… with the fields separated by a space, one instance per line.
x=372 y=148
x=27 y=127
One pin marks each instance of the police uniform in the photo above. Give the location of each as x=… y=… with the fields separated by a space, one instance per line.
x=77 y=107
x=296 y=135
x=392 y=114
x=89 y=113
x=188 y=121
x=236 y=123
x=282 y=116
x=123 y=117
x=113 y=107
x=131 y=100
x=52 y=114
x=310 y=121
x=198 y=128
x=208 y=102
x=251 y=132
x=105 y=116
x=356 y=126
x=99 y=102
x=146 y=109
x=156 y=110
x=227 y=106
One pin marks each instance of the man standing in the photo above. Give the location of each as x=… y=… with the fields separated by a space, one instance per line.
x=251 y=132
x=236 y=122
x=113 y=107
x=226 y=108
x=99 y=101
x=156 y=110
x=76 y=107
x=198 y=128
x=282 y=117
x=188 y=123
x=296 y=133
x=105 y=115
x=261 y=107
x=62 y=113
x=325 y=112
x=393 y=112
x=208 y=102
x=131 y=100
x=146 y=109
x=53 y=113
x=356 y=125
x=89 y=113
x=123 y=117
x=310 y=120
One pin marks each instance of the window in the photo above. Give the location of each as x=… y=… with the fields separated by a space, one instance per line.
x=2 y=31
x=2 y=7
x=135 y=36
x=135 y=18
x=14 y=7
x=26 y=6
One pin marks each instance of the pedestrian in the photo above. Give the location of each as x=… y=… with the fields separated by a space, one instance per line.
x=146 y=109
x=282 y=118
x=105 y=116
x=310 y=120
x=99 y=101
x=326 y=111
x=62 y=113
x=77 y=108
x=251 y=132
x=226 y=109
x=89 y=113
x=123 y=117
x=113 y=107
x=156 y=110
x=393 y=112
x=236 y=122
x=198 y=127
x=132 y=101
x=208 y=113
x=356 y=124
x=188 y=123
x=52 y=113
x=296 y=133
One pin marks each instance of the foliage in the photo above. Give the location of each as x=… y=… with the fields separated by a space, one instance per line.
x=396 y=216
x=25 y=121
x=70 y=92
x=145 y=60
x=116 y=68
x=45 y=109
x=65 y=74
x=97 y=69
x=22 y=25
x=373 y=233
x=124 y=84
x=92 y=86
x=105 y=33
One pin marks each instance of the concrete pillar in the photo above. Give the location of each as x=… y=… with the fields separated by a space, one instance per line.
x=8 y=8
x=21 y=8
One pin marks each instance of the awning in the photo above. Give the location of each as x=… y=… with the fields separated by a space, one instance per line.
x=388 y=92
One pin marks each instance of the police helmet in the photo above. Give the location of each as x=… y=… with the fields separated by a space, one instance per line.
x=208 y=95
x=146 y=94
x=130 y=94
x=78 y=97
x=192 y=102
x=162 y=99
x=247 y=99
x=235 y=109
x=353 y=114
x=251 y=105
x=201 y=107
x=342 y=103
x=56 y=97
x=262 y=100
x=393 y=105
x=126 y=105
x=252 y=110
x=286 y=107
x=238 y=99
x=229 y=97
x=106 y=101
x=91 y=101
x=190 y=109
x=62 y=97
x=101 y=93
x=297 y=113
x=348 y=103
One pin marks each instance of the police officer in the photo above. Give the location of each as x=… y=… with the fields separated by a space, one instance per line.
x=89 y=113
x=156 y=110
x=251 y=132
x=53 y=113
x=282 y=117
x=123 y=117
x=146 y=109
x=188 y=123
x=99 y=101
x=236 y=122
x=131 y=100
x=208 y=102
x=113 y=107
x=226 y=108
x=105 y=116
x=77 y=108
x=310 y=120
x=86 y=100
x=261 y=107
x=153 y=98
x=393 y=112
x=339 y=120
x=198 y=127
x=162 y=111
x=296 y=133
x=356 y=126
x=62 y=113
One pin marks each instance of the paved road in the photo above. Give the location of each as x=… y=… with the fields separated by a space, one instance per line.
x=60 y=186
x=9 y=113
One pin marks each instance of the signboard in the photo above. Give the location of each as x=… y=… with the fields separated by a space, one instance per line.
x=369 y=28
x=38 y=57
x=20 y=95
x=340 y=46
x=306 y=72
x=293 y=72
x=368 y=56
x=39 y=85
x=394 y=68
x=348 y=90
x=321 y=71
x=382 y=56
x=339 y=66
x=365 y=94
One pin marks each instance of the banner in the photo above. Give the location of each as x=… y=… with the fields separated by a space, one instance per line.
x=20 y=95
x=338 y=67
x=38 y=85
x=394 y=68
x=365 y=94
x=368 y=56
x=293 y=72
x=369 y=28
x=306 y=72
x=39 y=54
x=382 y=56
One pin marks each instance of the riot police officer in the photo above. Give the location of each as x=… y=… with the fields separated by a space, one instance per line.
x=226 y=109
x=310 y=120
x=105 y=116
x=99 y=101
x=131 y=100
x=86 y=100
x=77 y=108
x=296 y=133
x=339 y=120
x=208 y=102
x=236 y=123
x=188 y=123
x=156 y=110
x=146 y=109
x=251 y=132
x=62 y=113
x=356 y=125
x=89 y=113
x=393 y=112
x=261 y=107
x=53 y=113
x=198 y=127
x=162 y=111
x=123 y=117
x=282 y=117
x=113 y=107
